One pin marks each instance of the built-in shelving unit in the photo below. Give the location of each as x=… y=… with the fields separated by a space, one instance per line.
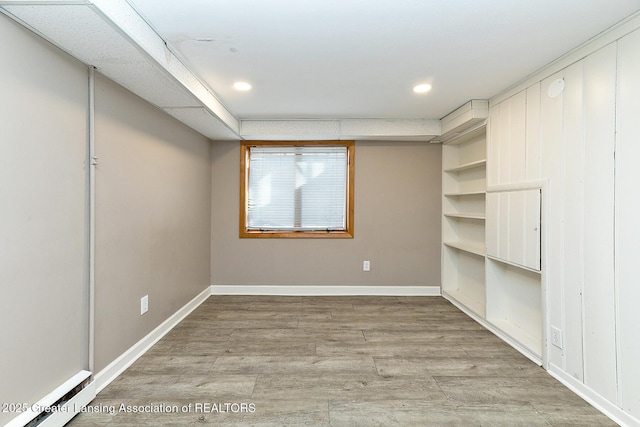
x=491 y=264
x=464 y=158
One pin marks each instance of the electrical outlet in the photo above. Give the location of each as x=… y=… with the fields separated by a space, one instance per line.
x=556 y=337
x=144 y=304
x=366 y=266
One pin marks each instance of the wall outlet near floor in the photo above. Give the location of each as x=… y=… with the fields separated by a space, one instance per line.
x=366 y=265
x=144 y=304
x=556 y=337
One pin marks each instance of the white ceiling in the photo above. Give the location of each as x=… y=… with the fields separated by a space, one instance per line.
x=361 y=58
x=319 y=68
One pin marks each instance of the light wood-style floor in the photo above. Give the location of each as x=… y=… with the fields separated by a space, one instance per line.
x=335 y=361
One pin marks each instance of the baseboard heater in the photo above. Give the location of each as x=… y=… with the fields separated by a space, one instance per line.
x=61 y=405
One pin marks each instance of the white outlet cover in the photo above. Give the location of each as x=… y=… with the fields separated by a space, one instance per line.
x=144 y=304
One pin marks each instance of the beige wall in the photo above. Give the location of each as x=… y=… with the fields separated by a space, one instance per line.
x=153 y=213
x=397 y=225
x=43 y=127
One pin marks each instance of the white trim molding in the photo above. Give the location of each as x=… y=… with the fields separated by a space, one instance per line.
x=285 y=290
x=603 y=405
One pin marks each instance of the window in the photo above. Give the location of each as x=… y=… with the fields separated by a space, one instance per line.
x=296 y=189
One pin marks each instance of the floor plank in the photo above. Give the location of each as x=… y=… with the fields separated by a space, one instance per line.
x=334 y=361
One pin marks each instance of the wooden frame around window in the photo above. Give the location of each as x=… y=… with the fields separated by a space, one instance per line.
x=244 y=182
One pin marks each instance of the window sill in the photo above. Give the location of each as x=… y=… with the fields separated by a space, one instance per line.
x=296 y=234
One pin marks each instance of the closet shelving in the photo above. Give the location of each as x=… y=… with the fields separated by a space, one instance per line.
x=463 y=208
x=500 y=289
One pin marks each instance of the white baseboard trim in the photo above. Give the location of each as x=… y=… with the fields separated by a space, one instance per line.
x=608 y=408
x=126 y=359
x=326 y=290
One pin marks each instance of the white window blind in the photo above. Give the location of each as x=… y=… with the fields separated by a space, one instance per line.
x=297 y=188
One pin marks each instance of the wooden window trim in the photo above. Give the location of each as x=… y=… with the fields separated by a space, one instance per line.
x=348 y=233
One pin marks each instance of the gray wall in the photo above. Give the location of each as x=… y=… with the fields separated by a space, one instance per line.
x=397 y=225
x=153 y=218
x=43 y=128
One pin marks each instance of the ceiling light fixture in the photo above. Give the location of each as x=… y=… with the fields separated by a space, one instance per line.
x=243 y=86
x=422 y=88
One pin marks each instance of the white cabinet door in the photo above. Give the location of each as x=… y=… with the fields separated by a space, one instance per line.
x=513 y=227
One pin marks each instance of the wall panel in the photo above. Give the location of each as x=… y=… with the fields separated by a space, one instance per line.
x=43 y=307
x=598 y=234
x=397 y=225
x=627 y=223
x=153 y=218
x=553 y=157
x=573 y=206
x=532 y=137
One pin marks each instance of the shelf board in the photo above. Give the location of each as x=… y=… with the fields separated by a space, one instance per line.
x=466 y=193
x=467 y=302
x=466 y=166
x=478 y=217
x=520 y=335
x=479 y=130
x=513 y=264
x=467 y=247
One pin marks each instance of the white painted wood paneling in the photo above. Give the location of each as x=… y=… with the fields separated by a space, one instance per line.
x=513 y=227
x=517 y=140
x=577 y=131
x=493 y=144
x=573 y=206
x=507 y=141
x=627 y=223
x=532 y=124
x=532 y=244
x=552 y=158
x=599 y=297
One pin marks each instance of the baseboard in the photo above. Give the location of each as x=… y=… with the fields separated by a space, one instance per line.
x=326 y=290
x=115 y=368
x=608 y=408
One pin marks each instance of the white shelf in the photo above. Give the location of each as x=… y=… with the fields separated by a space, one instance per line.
x=513 y=264
x=478 y=217
x=466 y=193
x=467 y=247
x=467 y=166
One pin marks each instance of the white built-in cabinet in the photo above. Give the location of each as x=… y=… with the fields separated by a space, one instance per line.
x=491 y=255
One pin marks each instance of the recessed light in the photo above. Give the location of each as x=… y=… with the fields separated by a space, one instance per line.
x=244 y=86
x=422 y=88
